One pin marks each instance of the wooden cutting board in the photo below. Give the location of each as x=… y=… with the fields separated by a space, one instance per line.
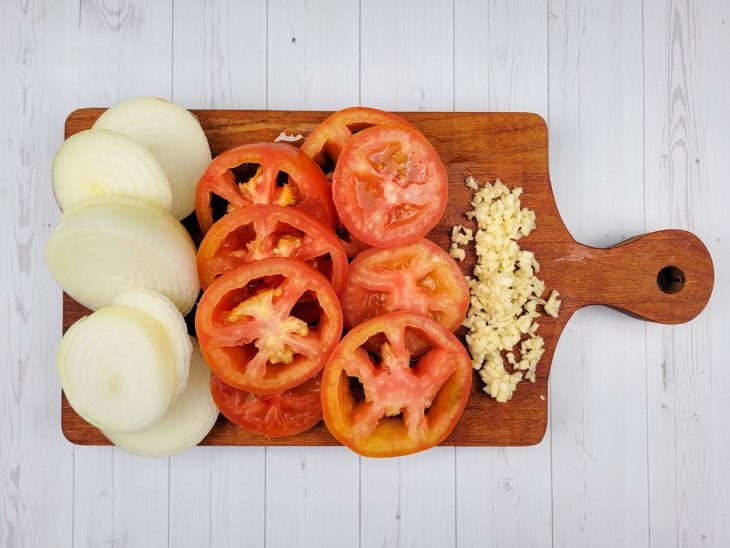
x=665 y=276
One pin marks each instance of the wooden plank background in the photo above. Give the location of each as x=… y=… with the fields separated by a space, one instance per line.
x=637 y=99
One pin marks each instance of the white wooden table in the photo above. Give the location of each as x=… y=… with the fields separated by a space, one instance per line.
x=637 y=99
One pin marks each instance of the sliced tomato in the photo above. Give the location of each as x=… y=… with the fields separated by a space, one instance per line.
x=388 y=403
x=324 y=145
x=257 y=174
x=274 y=415
x=389 y=187
x=419 y=277
x=268 y=325
x=352 y=245
x=261 y=231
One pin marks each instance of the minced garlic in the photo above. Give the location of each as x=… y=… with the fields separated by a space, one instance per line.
x=461 y=235
x=457 y=253
x=552 y=306
x=505 y=289
x=284 y=136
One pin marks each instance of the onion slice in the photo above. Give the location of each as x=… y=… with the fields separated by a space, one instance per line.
x=173 y=135
x=105 y=245
x=115 y=368
x=164 y=311
x=96 y=162
x=184 y=425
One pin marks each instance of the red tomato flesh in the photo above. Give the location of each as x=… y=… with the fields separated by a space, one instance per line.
x=389 y=403
x=274 y=415
x=324 y=145
x=419 y=277
x=389 y=186
x=262 y=231
x=305 y=187
x=253 y=333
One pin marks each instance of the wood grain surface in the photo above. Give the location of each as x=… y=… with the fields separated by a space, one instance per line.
x=665 y=276
x=636 y=99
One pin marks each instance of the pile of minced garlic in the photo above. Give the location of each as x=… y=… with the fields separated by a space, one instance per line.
x=505 y=289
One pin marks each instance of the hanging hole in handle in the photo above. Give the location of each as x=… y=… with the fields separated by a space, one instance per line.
x=670 y=279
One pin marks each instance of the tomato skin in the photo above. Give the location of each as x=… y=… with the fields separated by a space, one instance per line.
x=419 y=277
x=307 y=187
x=440 y=381
x=281 y=414
x=389 y=186
x=261 y=231
x=330 y=137
x=249 y=333
x=324 y=145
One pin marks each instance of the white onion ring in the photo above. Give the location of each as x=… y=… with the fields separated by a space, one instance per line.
x=184 y=425
x=100 y=162
x=105 y=245
x=174 y=137
x=164 y=311
x=115 y=369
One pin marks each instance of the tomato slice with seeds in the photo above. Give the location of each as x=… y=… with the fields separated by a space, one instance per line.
x=284 y=413
x=262 y=231
x=388 y=403
x=389 y=187
x=419 y=277
x=324 y=145
x=264 y=181
x=256 y=328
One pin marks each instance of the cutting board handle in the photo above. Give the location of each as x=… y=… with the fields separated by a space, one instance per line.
x=665 y=276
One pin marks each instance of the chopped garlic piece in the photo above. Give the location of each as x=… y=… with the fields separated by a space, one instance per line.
x=498 y=383
x=552 y=306
x=457 y=253
x=283 y=136
x=505 y=289
x=471 y=183
x=461 y=235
